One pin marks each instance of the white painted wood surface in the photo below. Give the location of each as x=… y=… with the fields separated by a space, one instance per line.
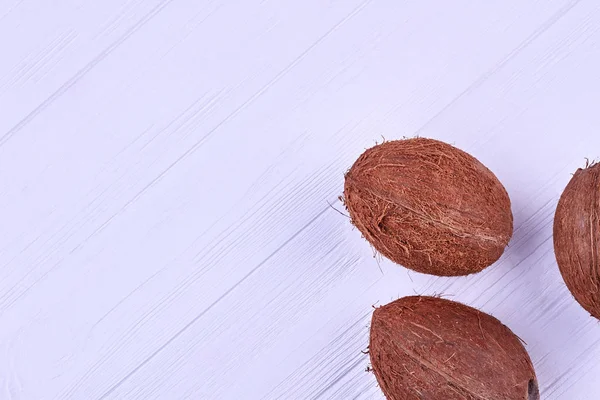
x=166 y=168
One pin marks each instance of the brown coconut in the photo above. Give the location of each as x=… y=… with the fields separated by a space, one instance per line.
x=429 y=206
x=577 y=237
x=435 y=349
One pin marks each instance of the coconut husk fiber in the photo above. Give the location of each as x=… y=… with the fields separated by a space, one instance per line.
x=577 y=237
x=429 y=206
x=436 y=349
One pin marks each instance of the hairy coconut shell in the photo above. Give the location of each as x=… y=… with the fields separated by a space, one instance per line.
x=429 y=206
x=577 y=237
x=435 y=349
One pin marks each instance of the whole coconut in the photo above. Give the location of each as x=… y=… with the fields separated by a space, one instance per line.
x=577 y=237
x=431 y=348
x=429 y=206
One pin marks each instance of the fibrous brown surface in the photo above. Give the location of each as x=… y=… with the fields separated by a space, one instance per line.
x=577 y=237
x=429 y=206
x=430 y=348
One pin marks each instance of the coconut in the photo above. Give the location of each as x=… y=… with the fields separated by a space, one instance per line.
x=431 y=348
x=429 y=206
x=577 y=237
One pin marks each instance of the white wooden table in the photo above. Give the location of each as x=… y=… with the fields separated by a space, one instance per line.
x=166 y=169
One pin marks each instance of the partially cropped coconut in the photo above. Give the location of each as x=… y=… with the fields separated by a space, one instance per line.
x=430 y=348
x=577 y=237
x=429 y=206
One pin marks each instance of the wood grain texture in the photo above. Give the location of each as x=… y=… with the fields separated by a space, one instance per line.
x=167 y=169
